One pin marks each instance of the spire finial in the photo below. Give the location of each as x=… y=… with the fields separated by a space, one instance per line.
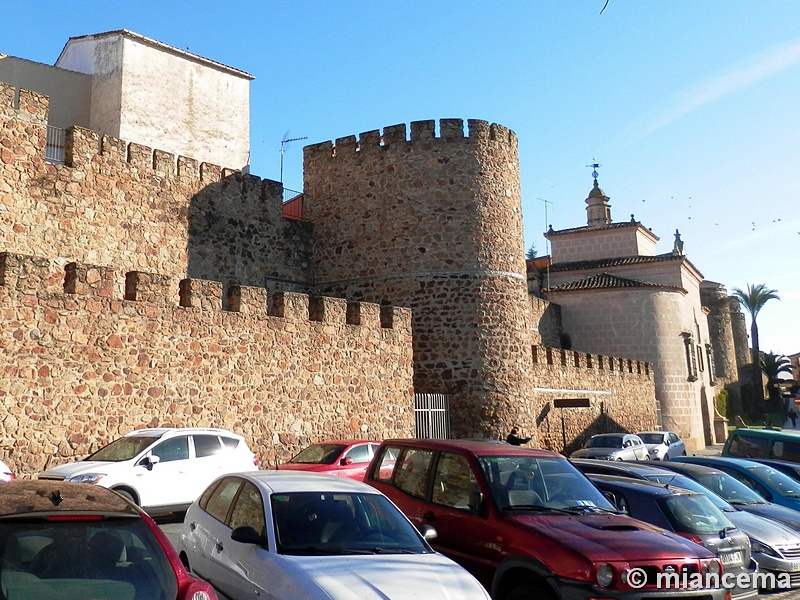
x=595 y=165
x=677 y=248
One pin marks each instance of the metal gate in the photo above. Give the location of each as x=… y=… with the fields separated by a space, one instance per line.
x=432 y=416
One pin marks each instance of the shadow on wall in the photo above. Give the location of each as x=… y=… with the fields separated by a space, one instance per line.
x=237 y=235
x=602 y=423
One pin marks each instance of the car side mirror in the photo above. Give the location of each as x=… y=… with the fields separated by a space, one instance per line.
x=475 y=502
x=247 y=535
x=152 y=461
x=346 y=461
x=428 y=532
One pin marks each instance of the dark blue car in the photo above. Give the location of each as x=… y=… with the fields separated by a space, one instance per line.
x=774 y=545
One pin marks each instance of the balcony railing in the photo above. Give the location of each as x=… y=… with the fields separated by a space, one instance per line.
x=292 y=204
x=55 y=149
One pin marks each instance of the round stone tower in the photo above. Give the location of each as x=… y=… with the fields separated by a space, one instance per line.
x=434 y=223
x=715 y=298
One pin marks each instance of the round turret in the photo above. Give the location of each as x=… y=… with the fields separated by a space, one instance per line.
x=433 y=223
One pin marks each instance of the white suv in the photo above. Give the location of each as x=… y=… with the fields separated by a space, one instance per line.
x=164 y=469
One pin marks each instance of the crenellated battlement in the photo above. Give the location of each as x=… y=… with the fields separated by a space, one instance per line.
x=571 y=359
x=450 y=131
x=84 y=147
x=34 y=276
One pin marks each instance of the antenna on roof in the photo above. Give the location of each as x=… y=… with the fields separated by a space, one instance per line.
x=285 y=141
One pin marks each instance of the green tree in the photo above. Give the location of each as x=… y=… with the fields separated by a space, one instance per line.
x=772 y=365
x=531 y=253
x=754 y=300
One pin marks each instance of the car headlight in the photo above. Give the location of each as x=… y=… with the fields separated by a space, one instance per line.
x=605 y=575
x=87 y=478
x=761 y=548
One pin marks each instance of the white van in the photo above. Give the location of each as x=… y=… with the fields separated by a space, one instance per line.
x=163 y=469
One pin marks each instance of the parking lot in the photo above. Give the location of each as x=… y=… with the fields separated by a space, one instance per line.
x=171 y=526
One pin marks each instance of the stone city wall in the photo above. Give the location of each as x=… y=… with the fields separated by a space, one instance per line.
x=90 y=352
x=430 y=217
x=81 y=365
x=124 y=204
x=620 y=391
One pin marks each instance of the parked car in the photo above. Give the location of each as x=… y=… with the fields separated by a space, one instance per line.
x=662 y=445
x=345 y=458
x=289 y=535
x=613 y=446
x=774 y=546
x=687 y=513
x=769 y=483
x=527 y=523
x=71 y=541
x=162 y=470
x=6 y=474
x=763 y=443
x=792 y=469
x=736 y=493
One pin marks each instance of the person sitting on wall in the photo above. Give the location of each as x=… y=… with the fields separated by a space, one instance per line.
x=515 y=440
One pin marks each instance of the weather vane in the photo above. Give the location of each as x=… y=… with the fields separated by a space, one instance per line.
x=594 y=167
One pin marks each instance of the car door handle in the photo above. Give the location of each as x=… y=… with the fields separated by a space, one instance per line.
x=192 y=525
x=429 y=517
x=218 y=546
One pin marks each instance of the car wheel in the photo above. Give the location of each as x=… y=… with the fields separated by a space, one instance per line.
x=127 y=495
x=185 y=562
x=526 y=592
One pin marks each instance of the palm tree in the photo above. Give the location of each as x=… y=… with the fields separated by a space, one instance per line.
x=754 y=300
x=773 y=365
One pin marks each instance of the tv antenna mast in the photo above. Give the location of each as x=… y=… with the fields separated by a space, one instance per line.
x=285 y=141
x=546 y=224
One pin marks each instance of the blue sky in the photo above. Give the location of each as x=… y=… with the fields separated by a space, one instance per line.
x=690 y=106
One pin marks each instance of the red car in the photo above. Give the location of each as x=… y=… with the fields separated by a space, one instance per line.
x=529 y=525
x=345 y=458
x=72 y=540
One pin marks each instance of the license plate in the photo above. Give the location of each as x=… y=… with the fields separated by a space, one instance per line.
x=731 y=558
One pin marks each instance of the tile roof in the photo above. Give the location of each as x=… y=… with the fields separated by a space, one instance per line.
x=552 y=232
x=607 y=281
x=616 y=261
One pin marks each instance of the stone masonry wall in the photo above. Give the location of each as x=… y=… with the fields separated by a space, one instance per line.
x=546 y=317
x=433 y=221
x=124 y=204
x=94 y=343
x=81 y=365
x=621 y=393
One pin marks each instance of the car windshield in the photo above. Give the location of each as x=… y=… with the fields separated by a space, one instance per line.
x=652 y=438
x=687 y=483
x=606 y=441
x=319 y=454
x=321 y=523
x=729 y=488
x=124 y=448
x=783 y=484
x=540 y=483
x=693 y=513
x=107 y=558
